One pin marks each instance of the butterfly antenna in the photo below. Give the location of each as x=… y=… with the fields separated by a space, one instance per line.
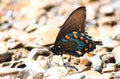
x=98 y=43
x=47 y=45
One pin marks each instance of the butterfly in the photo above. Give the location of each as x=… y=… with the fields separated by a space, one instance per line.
x=72 y=38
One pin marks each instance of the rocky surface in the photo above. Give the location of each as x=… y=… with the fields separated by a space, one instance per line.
x=27 y=25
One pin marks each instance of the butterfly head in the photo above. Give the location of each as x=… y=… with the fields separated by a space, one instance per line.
x=57 y=50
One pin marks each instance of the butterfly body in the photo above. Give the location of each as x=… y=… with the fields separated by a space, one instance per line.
x=72 y=38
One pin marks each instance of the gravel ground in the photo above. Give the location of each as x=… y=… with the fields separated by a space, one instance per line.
x=27 y=25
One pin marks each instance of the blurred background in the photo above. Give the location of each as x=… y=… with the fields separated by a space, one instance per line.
x=26 y=25
x=38 y=20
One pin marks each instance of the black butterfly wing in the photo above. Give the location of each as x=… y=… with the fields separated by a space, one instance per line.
x=75 y=22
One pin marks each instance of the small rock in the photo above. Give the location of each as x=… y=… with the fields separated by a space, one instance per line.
x=20 y=24
x=57 y=59
x=19 y=53
x=31 y=28
x=109 y=43
x=116 y=54
x=109 y=68
x=13 y=44
x=34 y=67
x=107 y=21
x=3 y=36
x=117 y=75
x=92 y=75
x=43 y=62
x=106 y=9
x=5 y=26
x=106 y=76
x=23 y=74
x=38 y=76
x=23 y=36
x=116 y=37
x=3 y=48
x=34 y=53
x=108 y=58
x=115 y=34
x=96 y=62
x=19 y=64
x=87 y=1
x=55 y=73
x=5 y=57
x=46 y=35
x=75 y=61
x=76 y=76
x=82 y=68
x=85 y=62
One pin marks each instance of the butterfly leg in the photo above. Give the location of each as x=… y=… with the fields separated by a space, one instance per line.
x=70 y=65
x=50 y=60
x=67 y=64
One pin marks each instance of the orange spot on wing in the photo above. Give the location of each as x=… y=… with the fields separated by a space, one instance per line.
x=86 y=49
x=86 y=41
x=79 y=50
x=67 y=37
x=75 y=36
x=90 y=45
x=81 y=38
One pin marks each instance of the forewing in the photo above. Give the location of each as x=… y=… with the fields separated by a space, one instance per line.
x=75 y=22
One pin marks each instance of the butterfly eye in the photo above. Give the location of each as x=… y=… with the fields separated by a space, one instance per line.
x=67 y=37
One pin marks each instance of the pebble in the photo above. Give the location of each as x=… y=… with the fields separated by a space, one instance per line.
x=106 y=9
x=106 y=76
x=19 y=53
x=115 y=33
x=3 y=48
x=31 y=28
x=59 y=72
x=109 y=68
x=76 y=76
x=13 y=44
x=108 y=58
x=117 y=75
x=92 y=75
x=116 y=54
x=107 y=21
x=96 y=62
x=85 y=62
x=5 y=57
x=34 y=53
x=24 y=32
